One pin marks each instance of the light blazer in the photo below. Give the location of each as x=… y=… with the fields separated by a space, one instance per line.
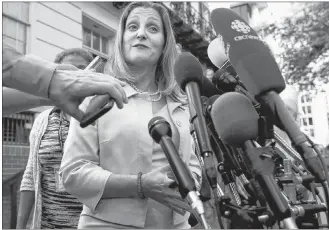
x=119 y=142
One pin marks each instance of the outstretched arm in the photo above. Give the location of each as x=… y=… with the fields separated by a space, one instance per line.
x=64 y=87
x=14 y=101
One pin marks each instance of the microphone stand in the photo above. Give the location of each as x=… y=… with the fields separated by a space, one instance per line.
x=224 y=162
x=288 y=180
x=197 y=120
x=263 y=168
x=273 y=106
x=228 y=163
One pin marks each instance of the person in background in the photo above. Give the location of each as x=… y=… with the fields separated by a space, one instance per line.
x=40 y=186
x=30 y=81
x=114 y=167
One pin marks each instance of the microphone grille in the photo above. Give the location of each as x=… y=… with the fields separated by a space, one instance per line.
x=159 y=127
x=154 y=121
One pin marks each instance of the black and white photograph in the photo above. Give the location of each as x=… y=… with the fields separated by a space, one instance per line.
x=165 y=115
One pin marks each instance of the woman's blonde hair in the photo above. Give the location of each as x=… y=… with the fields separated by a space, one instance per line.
x=164 y=74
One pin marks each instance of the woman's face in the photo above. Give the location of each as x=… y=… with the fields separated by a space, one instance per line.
x=143 y=37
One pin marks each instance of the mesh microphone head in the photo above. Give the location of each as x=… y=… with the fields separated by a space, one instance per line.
x=187 y=68
x=159 y=127
x=249 y=55
x=235 y=119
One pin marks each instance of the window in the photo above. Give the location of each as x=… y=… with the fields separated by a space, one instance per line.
x=304 y=110
x=15 y=22
x=312 y=132
x=304 y=122
x=310 y=121
x=96 y=37
x=16 y=128
x=308 y=98
x=308 y=109
x=95 y=41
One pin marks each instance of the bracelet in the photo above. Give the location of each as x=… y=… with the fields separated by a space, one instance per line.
x=139 y=185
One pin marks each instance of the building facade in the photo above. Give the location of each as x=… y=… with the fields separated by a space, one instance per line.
x=314 y=109
x=45 y=29
x=315 y=115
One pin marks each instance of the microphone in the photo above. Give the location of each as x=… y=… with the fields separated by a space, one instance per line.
x=208 y=89
x=226 y=78
x=261 y=75
x=225 y=81
x=236 y=122
x=306 y=209
x=235 y=119
x=216 y=53
x=189 y=76
x=160 y=131
x=250 y=57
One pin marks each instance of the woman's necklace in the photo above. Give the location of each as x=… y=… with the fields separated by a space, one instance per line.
x=150 y=94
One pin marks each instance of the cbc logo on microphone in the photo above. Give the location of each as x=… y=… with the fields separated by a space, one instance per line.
x=239 y=26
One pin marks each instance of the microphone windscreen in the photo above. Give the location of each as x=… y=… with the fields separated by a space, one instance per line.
x=249 y=55
x=235 y=119
x=207 y=88
x=216 y=53
x=187 y=68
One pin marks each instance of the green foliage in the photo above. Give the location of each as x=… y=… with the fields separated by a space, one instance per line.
x=304 y=40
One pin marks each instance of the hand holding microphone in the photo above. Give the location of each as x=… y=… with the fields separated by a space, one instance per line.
x=160 y=131
x=158 y=185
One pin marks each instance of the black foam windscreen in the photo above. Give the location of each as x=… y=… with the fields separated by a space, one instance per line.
x=187 y=68
x=235 y=119
x=207 y=88
x=224 y=80
x=249 y=55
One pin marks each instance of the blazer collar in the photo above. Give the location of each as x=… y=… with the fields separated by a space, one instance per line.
x=172 y=105
x=129 y=91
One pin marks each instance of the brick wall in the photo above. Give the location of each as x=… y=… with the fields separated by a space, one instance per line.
x=14 y=159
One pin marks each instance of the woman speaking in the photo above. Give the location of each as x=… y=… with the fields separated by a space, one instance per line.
x=113 y=166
